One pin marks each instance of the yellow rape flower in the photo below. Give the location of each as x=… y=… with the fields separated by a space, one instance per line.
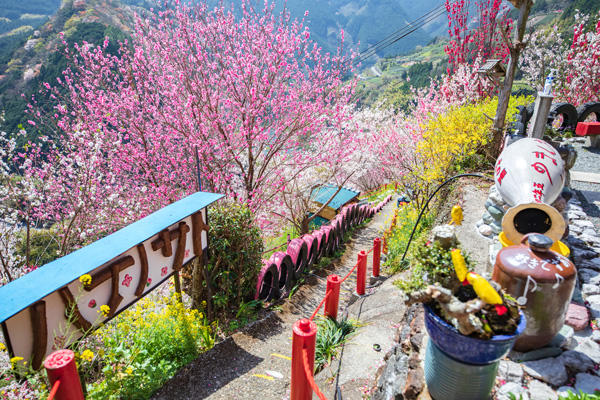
x=104 y=309
x=87 y=355
x=15 y=360
x=129 y=371
x=2 y=346
x=86 y=279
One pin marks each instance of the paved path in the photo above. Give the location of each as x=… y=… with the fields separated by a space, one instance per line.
x=254 y=363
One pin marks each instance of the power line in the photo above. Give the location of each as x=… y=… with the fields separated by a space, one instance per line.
x=402 y=33
x=391 y=40
x=401 y=30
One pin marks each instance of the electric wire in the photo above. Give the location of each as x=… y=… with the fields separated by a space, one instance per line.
x=402 y=33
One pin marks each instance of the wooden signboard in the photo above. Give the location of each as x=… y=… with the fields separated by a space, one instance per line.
x=50 y=307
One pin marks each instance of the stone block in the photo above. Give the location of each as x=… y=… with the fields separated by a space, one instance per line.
x=577 y=317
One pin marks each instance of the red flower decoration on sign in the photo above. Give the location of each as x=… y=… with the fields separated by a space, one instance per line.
x=126 y=280
x=92 y=303
x=149 y=282
x=187 y=253
x=163 y=271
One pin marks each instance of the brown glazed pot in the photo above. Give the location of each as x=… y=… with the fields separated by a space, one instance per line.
x=542 y=281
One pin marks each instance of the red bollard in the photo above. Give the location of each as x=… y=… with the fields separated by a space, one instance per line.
x=332 y=301
x=304 y=337
x=60 y=366
x=376 y=256
x=361 y=273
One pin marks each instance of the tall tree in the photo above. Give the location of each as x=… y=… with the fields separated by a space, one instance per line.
x=252 y=95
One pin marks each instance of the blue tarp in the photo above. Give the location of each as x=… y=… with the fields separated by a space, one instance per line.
x=21 y=293
x=324 y=193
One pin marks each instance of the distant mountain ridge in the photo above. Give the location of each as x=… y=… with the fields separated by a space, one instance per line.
x=29 y=34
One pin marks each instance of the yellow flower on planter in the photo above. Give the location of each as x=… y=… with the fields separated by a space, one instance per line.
x=2 y=346
x=104 y=309
x=484 y=290
x=87 y=355
x=86 y=279
x=459 y=265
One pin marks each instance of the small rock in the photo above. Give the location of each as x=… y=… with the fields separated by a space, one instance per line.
x=495 y=196
x=577 y=296
x=445 y=235
x=564 y=338
x=584 y=223
x=589 y=232
x=575 y=206
x=589 y=276
x=510 y=371
x=496 y=227
x=590 y=239
x=585 y=254
x=485 y=230
x=577 y=317
x=514 y=388
x=577 y=361
x=496 y=212
x=550 y=370
x=574 y=229
x=594 y=304
x=533 y=355
x=590 y=264
x=590 y=348
x=487 y=218
x=541 y=391
x=587 y=383
x=563 y=391
x=479 y=223
x=588 y=289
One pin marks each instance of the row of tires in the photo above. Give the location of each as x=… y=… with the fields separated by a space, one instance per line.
x=562 y=116
x=282 y=269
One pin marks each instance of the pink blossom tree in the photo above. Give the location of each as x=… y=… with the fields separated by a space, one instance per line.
x=576 y=60
x=251 y=96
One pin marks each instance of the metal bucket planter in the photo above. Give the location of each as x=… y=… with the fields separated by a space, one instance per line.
x=462 y=367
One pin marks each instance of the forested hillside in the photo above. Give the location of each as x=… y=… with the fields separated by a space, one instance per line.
x=29 y=29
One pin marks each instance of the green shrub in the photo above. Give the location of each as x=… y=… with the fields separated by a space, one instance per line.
x=431 y=263
x=235 y=258
x=398 y=239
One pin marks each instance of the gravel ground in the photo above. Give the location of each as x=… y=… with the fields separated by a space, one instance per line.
x=588 y=160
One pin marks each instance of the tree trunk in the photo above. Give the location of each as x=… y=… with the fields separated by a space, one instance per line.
x=503 y=98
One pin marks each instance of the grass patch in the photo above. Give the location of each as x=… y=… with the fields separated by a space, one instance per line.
x=331 y=335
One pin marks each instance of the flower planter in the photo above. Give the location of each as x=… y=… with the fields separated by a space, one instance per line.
x=448 y=379
x=459 y=367
x=467 y=349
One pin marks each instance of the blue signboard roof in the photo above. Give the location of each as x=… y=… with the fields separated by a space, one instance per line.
x=21 y=293
x=324 y=193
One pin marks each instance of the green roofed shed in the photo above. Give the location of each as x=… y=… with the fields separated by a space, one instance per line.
x=322 y=194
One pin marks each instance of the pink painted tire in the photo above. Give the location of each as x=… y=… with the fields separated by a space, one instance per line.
x=266 y=285
x=329 y=240
x=345 y=218
x=321 y=240
x=285 y=269
x=298 y=252
x=312 y=243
